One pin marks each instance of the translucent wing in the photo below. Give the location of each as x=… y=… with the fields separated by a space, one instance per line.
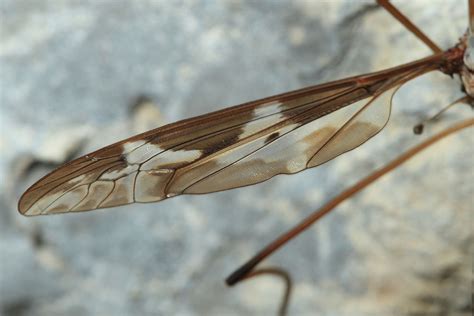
x=234 y=147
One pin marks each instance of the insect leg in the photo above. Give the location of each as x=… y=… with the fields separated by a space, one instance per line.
x=409 y=25
x=418 y=128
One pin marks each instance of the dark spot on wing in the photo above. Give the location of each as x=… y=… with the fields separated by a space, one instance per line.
x=272 y=137
x=215 y=144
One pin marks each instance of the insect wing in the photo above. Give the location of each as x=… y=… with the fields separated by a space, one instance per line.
x=234 y=147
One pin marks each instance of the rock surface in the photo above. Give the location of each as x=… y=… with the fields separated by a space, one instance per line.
x=70 y=73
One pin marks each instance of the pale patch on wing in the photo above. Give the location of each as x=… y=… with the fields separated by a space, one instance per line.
x=269 y=108
x=170 y=158
x=253 y=127
x=141 y=153
x=77 y=180
x=118 y=173
x=130 y=146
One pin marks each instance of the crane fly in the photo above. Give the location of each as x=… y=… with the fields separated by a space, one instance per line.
x=238 y=146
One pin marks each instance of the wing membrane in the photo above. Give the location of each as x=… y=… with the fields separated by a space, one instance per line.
x=234 y=147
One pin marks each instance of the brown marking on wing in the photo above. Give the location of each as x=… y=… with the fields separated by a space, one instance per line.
x=216 y=143
x=318 y=138
x=272 y=137
x=355 y=135
x=237 y=116
x=150 y=185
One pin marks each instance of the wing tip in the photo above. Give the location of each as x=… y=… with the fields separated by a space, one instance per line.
x=23 y=207
x=26 y=213
x=28 y=206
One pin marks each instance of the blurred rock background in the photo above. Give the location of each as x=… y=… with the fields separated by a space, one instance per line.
x=70 y=74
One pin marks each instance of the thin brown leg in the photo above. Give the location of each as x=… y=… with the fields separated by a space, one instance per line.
x=418 y=128
x=285 y=276
x=409 y=25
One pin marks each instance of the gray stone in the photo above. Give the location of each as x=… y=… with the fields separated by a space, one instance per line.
x=70 y=73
